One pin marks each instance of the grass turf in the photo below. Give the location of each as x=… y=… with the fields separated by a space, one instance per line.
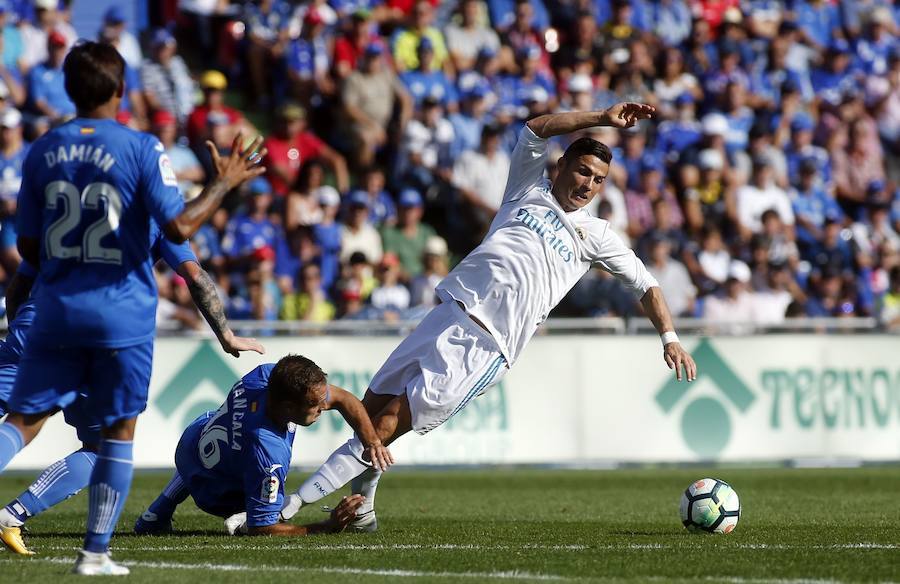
x=492 y=525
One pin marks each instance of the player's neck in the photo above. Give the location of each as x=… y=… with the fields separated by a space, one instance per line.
x=105 y=111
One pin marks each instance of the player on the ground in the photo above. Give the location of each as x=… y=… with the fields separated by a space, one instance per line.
x=90 y=188
x=237 y=458
x=541 y=242
x=66 y=477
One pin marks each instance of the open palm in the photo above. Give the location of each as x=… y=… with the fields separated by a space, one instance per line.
x=626 y=114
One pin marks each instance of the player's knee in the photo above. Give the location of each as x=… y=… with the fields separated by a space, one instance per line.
x=28 y=425
x=120 y=430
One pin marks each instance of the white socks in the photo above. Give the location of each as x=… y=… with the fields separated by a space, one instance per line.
x=365 y=485
x=342 y=466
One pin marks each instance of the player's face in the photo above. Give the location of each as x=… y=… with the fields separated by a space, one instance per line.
x=310 y=409
x=579 y=181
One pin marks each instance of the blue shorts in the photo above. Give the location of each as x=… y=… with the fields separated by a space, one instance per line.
x=116 y=381
x=7 y=380
x=8 y=233
x=211 y=494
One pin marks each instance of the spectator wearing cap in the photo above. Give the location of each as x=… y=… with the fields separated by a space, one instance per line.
x=350 y=47
x=818 y=22
x=267 y=25
x=469 y=121
x=673 y=277
x=369 y=97
x=114 y=32
x=424 y=157
x=308 y=61
x=252 y=230
x=301 y=206
x=518 y=89
x=801 y=149
x=187 y=167
x=46 y=82
x=406 y=42
x=734 y=309
x=757 y=197
x=291 y=144
x=12 y=156
x=580 y=90
x=812 y=205
x=167 y=83
x=310 y=303
x=834 y=77
x=221 y=133
x=710 y=201
x=468 y=35
x=357 y=234
x=427 y=81
x=389 y=298
x=434 y=269
x=35 y=35
x=480 y=178
x=408 y=238
x=213 y=84
x=327 y=235
x=382 y=209
x=678 y=135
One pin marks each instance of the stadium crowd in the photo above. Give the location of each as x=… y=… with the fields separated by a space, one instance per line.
x=767 y=186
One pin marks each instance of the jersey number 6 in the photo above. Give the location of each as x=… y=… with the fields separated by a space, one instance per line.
x=60 y=191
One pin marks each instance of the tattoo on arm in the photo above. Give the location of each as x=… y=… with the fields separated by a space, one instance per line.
x=203 y=292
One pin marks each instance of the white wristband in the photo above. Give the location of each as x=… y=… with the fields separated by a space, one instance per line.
x=668 y=337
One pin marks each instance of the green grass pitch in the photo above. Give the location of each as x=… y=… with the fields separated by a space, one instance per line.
x=521 y=525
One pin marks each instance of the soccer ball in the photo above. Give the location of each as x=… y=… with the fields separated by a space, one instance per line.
x=711 y=506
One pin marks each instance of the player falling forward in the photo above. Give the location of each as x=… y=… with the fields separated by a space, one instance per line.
x=238 y=456
x=540 y=244
x=89 y=190
x=66 y=477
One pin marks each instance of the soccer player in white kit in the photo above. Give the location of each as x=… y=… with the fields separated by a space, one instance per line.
x=540 y=244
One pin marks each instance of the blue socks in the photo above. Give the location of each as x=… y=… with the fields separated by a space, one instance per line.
x=110 y=483
x=173 y=495
x=61 y=480
x=11 y=442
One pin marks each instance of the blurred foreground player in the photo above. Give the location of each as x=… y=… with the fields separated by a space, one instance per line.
x=237 y=458
x=89 y=190
x=540 y=244
x=65 y=478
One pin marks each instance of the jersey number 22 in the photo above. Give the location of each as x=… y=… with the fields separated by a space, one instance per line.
x=94 y=196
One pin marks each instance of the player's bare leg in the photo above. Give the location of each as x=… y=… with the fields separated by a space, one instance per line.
x=17 y=431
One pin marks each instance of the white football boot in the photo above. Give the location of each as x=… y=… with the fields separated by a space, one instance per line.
x=97 y=564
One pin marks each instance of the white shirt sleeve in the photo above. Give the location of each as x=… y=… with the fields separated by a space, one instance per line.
x=527 y=164
x=619 y=260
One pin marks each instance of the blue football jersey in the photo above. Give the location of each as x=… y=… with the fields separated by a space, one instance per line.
x=89 y=190
x=241 y=450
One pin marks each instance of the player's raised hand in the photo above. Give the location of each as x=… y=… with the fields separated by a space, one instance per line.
x=345 y=512
x=242 y=164
x=677 y=358
x=627 y=113
x=234 y=345
x=380 y=456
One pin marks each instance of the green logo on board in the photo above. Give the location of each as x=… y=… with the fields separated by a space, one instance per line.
x=705 y=423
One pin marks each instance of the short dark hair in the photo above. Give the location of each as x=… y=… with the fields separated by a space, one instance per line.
x=293 y=377
x=588 y=147
x=94 y=73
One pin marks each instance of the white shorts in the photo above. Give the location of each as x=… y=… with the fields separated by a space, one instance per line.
x=442 y=365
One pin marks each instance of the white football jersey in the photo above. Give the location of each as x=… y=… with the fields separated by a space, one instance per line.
x=534 y=254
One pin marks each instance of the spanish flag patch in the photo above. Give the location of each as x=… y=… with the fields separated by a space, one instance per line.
x=253 y=406
x=87 y=130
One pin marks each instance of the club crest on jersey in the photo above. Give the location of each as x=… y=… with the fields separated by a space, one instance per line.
x=269 y=492
x=581 y=232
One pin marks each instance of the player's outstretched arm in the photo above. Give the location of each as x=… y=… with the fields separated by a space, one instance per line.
x=340 y=518
x=231 y=171
x=622 y=115
x=355 y=414
x=206 y=297
x=676 y=357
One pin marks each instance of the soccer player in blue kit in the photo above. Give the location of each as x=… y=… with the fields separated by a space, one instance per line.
x=90 y=188
x=237 y=458
x=66 y=477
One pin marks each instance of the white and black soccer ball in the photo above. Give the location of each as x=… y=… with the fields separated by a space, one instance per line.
x=711 y=506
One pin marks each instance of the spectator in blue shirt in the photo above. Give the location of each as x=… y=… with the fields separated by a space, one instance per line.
x=819 y=22
x=812 y=206
x=46 y=82
x=802 y=150
x=309 y=62
x=874 y=49
x=469 y=120
x=678 y=135
x=382 y=209
x=516 y=90
x=831 y=80
x=426 y=81
x=327 y=235
x=267 y=37
x=247 y=233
